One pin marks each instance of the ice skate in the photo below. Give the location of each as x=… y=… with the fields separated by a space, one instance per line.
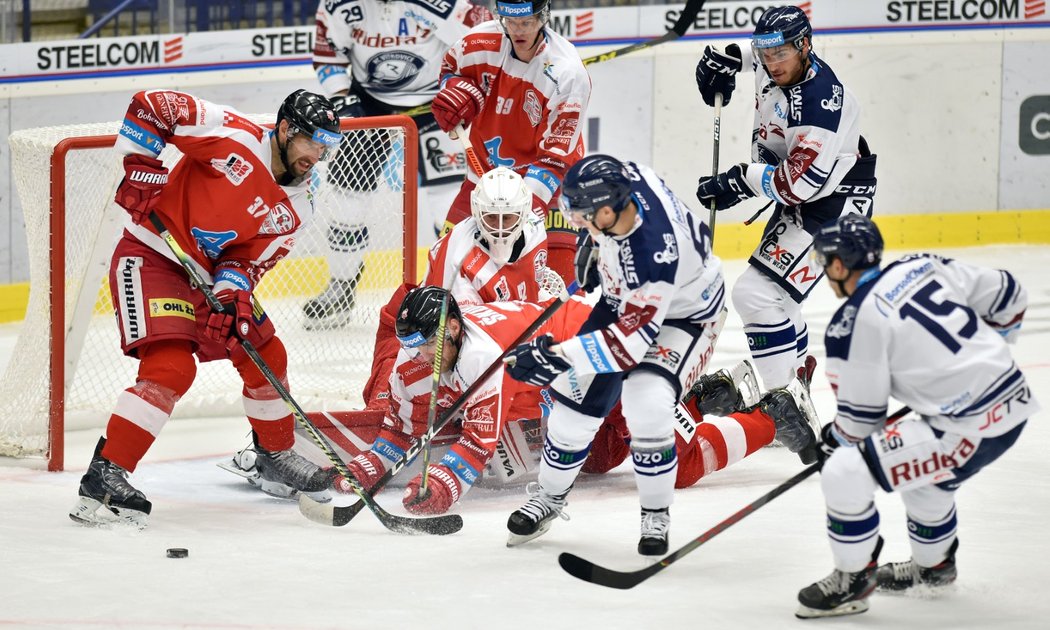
x=534 y=518
x=726 y=391
x=283 y=473
x=333 y=307
x=840 y=593
x=797 y=425
x=655 y=526
x=900 y=576
x=105 y=484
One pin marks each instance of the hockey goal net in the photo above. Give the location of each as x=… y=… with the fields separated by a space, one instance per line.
x=67 y=369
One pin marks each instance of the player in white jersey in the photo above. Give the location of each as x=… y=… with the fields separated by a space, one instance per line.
x=932 y=333
x=375 y=58
x=807 y=156
x=522 y=90
x=649 y=337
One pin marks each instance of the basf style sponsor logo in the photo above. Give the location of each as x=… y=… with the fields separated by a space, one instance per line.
x=933 y=11
x=572 y=25
x=1034 y=131
x=173 y=49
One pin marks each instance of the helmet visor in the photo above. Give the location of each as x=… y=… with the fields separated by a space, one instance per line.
x=323 y=144
x=578 y=217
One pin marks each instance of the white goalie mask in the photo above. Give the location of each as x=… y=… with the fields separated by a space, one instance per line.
x=500 y=204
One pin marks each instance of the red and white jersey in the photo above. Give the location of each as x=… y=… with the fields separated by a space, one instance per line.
x=221 y=202
x=532 y=113
x=393 y=48
x=480 y=280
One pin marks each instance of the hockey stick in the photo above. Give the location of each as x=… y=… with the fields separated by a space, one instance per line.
x=590 y=572
x=440 y=525
x=714 y=159
x=681 y=25
x=468 y=149
x=337 y=516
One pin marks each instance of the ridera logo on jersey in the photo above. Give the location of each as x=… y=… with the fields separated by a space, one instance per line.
x=391 y=70
x=234 y=167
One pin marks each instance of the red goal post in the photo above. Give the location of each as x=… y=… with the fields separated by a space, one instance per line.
x=66 y=177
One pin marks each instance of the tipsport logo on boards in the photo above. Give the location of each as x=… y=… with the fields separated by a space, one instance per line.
x=1034 y=128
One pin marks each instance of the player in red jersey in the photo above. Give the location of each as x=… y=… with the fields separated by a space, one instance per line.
x=523 y=90
x=234 y=202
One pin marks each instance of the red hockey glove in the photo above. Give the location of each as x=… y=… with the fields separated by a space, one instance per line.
x=234 y=321
x=144 y=177
x=459 y=101
x=366 y=467
x=442 y=492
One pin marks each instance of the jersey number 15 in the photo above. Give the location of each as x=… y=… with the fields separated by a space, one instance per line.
x=930 y=314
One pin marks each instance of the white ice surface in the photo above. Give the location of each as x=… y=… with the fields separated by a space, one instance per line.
x=256 y=563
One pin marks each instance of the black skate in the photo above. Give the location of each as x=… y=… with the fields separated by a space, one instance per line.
x=283 y=473
x=792 y=411
x=534 y=518
x=840 y=593
x=726 y=391
x=105 y=484
x=332 y=308
x=900 y=576
x=655 y=524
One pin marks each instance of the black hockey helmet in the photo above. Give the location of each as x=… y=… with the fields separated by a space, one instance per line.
x=852 y=238
x=419 y=315
x=310 y=114
x=781 y=25
x=592 y=183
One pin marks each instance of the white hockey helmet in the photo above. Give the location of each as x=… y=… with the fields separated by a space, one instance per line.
x=500 y=204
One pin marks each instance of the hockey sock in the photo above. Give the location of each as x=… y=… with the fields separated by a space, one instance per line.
x=560 y=467
x=267 y=412
x=720 y=442
x=774 y=349
x=655 y=469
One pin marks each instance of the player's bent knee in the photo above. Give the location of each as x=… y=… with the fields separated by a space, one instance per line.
x=168 y=363
x=846 y=480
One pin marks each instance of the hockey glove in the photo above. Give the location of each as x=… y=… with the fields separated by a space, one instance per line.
x=586 y=263
x=348 y=106
x=1010 y=330
x=829 y=441
x=144 y=178
x=234 y=321
x=442 y=492
x=535 y=362
x=726 y=189
x=458 y=101
x=366 y=468
x=716 y=73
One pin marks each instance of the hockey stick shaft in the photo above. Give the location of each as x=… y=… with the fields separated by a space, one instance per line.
x=590 y=572
x=472 y=157
x=341 y=515
x=388 y=520
x=714 y=158
x=681 y=25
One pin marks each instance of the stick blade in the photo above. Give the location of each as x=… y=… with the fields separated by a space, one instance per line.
x=589 y=572
x=433 y=526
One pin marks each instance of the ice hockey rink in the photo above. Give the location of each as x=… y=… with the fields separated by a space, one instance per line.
x=255 y=562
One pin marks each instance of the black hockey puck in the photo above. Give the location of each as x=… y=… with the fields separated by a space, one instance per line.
x=178 y=552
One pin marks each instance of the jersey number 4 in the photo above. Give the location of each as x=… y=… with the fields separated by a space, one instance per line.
x=931 y=315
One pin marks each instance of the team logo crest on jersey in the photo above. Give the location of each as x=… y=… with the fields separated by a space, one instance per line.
x=172 y=106
x=844 y=326
x=533 y=108
x=234 y=167
x=280 y=220
x=391 y=70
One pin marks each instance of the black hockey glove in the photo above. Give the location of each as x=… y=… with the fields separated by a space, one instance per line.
x=726 y=189
x=716 y=73
x=828 y=442
x=586 y=262
x=535 y=363
x=348 y=106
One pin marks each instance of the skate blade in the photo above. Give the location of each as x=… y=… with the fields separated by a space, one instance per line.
x=275 y=489
x=86 y=512
x=743 y=376
x=513 y=540
x=231 y=466
x=849 y=608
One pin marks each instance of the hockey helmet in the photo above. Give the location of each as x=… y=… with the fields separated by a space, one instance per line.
x=500 y=204
x=419 y=315
x=852 y=238
x=781 y=25
x=592 y=183
x=312 y=115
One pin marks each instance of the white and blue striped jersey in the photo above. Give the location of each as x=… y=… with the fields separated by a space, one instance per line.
x=662 y=269
x=924 y=331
